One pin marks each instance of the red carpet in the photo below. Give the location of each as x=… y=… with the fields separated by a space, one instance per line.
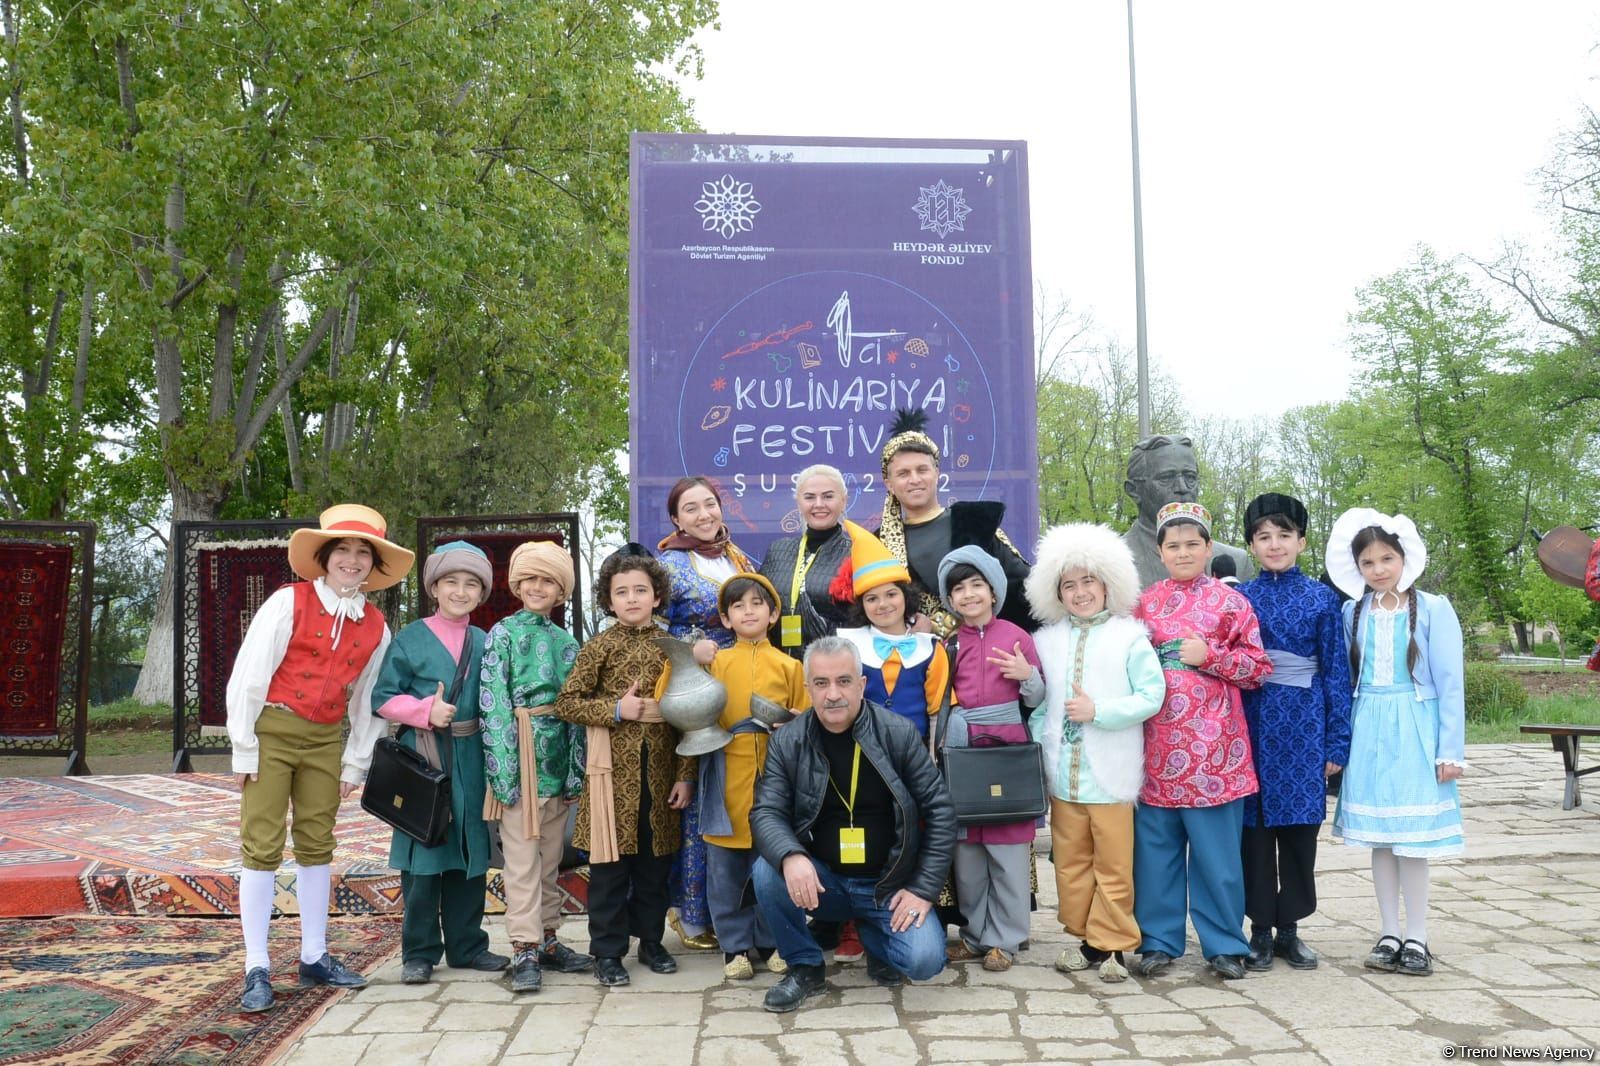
x=168 y=844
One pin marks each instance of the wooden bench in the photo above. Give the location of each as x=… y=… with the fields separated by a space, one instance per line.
x=1564 y=738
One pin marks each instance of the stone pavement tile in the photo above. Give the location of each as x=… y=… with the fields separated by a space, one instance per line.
x=1019 y=976
x=1287 y=1058
x=1122 y=1062
x=927 y=1000
x=882 y=1045
x=1561 y=1011
x=997 y=1024
x=401 y=1047
x=1580 y=976
x=854 y=1016
x=458 y=1048
x=1501 y=972
x=1249 y=1027
x=397 y=1018
x=536 y=1060
x=1367 y=1045
x=1203 y=999
x=747 y=1023
x=392 y=993
x=694 y=975
x=322 y=1050
x=658 y=1045
x=977 y=1050
x=741 y=998
x=1537 y=1038
x=339 y=1018
x=655 y=1008
x=1184 y=1046
x=1071 y=1002
x=472 y=1017
x=1053 y=1051
x=471 y=992
x=1164 y=1023
x=554 y=1030
x=813 y=1049
x=1328 y=998
x=734 y=1052
x=1068 y=1027
x=1457 y=1007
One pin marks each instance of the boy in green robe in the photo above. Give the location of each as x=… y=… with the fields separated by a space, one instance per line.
x=426 y=687
x=534 y=761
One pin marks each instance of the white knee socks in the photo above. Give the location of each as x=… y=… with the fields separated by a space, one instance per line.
x=256 y=889
x=1386 y=882
x=313 y=886
x=1392 y=877
x=1414 y=886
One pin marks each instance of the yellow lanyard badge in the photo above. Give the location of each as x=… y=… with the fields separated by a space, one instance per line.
x=852 y=841
x=789 y=633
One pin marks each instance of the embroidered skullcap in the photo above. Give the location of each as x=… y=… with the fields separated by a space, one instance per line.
x=1186 y=510
x=458 y=557
x=1341 y=561
x=1275 y=505
x=541 y=558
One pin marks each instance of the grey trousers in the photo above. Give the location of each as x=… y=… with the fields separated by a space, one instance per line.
x=739 y=925
x=992 y=888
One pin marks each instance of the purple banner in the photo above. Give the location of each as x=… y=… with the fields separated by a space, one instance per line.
x=789 y=295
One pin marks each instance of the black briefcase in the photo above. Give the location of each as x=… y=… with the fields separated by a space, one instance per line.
x=407 y=793
x=997 y=784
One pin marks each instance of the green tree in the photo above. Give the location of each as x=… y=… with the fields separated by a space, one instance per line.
x=1575 y=616
x=276 y=190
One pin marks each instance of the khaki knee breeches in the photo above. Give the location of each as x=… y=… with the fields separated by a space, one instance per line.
x=300 y=766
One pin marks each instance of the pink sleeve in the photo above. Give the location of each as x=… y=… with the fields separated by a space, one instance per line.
x=407 y=710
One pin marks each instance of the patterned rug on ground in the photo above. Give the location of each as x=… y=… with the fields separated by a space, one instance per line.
x=34 y=581
x=146 y=990
x=168 y=844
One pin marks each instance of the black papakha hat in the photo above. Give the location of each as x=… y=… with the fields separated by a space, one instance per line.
x=1271 y=504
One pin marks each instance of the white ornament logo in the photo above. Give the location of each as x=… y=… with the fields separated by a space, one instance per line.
x=727 y=207
x=941 y=209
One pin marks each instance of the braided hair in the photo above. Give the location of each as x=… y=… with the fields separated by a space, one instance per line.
x=1360 y=543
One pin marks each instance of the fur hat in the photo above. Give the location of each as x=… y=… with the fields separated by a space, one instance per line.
x=1086 y=546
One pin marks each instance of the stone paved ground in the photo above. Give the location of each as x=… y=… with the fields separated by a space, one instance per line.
x=1515 y=924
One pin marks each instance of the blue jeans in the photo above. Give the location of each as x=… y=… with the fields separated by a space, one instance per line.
x=918 y=952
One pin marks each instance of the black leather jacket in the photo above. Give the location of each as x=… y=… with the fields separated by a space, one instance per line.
x=789 y=797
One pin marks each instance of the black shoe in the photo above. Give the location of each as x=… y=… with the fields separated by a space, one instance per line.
x=608 y=971
x=653 y=955
x=416 y=972
x=1384 y=956
x=1414 y=960
x=329 y=971
x=1260 y=957
x=1152 y=963
x=1227 y=967
x=526 y=976
x=257 y=991
x=882 y=973
x=1292 y=950
x=799 y=984
x=557 y=956
x=485 y=961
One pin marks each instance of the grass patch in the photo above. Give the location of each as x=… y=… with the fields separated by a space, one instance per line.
x=130 y=714
x=1500 y=726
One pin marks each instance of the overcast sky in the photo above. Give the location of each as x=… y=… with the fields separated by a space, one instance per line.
x=1291 y=152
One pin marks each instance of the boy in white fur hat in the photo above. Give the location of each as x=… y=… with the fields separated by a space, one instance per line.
x=1102 y=679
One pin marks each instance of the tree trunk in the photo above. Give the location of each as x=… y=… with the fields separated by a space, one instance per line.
x=155 y=676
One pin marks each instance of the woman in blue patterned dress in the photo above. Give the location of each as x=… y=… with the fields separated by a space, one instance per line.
x=698 y=556
x=1408 y=729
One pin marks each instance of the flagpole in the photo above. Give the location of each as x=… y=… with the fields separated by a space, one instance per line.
x=1142 y=340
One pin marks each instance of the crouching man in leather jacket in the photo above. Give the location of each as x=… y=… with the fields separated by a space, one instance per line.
x=852 y=820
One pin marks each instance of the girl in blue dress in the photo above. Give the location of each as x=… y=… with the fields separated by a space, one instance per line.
x=1408 y=726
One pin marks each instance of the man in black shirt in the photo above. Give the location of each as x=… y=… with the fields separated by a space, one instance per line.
x=851 y=819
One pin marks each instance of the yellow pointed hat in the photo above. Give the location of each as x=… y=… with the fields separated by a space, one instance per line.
x=872 y=564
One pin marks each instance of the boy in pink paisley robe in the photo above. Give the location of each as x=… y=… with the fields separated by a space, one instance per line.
x=1198 y=767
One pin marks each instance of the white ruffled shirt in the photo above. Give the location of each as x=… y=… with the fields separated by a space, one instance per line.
x=265 y=644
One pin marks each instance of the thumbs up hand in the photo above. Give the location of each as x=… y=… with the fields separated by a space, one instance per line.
x=1194 y=650
x=441 y=714
x=1080 y=708
x=631 y=705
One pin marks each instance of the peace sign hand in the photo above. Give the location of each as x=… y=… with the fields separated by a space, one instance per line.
x=1013 y=664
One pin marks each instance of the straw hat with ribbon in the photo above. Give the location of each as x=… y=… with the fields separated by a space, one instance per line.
x=351 y=520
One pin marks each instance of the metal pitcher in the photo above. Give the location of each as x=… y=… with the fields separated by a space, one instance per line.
x=693 y=701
